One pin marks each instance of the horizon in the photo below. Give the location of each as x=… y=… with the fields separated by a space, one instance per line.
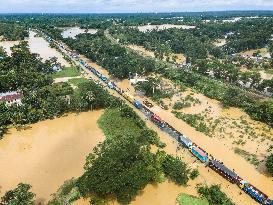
x=131 y=6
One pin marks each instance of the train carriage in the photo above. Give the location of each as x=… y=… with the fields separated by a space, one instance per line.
x=223 y=171
x=200 y=154
x=185 y=141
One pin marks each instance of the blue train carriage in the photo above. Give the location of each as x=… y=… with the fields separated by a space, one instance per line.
x=186 y=142
x=255 y=193
x=137 y=104
x=103 y=78
x=225 y=172
x=200 y=154
x=111 y=85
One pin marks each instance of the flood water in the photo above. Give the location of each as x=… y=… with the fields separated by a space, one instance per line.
x=163 y=27
x=74 y=31
x=48 y=153
x=37 y=45
x=8 y=44
x=41 y=46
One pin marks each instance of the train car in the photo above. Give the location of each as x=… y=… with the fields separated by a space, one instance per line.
x=223 y=171
x=254 y=193
x=182 y=139
x=129 y=97
x=103 y=78
x=137 y=104
x=199 y=153
x=110 y=85
x=156 y=119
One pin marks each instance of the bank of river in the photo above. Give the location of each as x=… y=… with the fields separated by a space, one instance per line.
x=48 y=153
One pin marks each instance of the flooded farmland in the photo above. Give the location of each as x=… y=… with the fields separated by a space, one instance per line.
x=48 y=153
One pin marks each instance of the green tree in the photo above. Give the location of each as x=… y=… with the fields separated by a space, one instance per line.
x=20 y=195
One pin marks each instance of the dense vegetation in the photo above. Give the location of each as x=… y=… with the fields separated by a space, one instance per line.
x=130 y=163
x=214 y=195
x=20 y=195
x=117 y=60
x=12 y=31
x=198 y=43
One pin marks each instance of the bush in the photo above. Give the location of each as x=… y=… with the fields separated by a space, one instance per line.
x=269 y=164
x=194 y=174
x=176 y=170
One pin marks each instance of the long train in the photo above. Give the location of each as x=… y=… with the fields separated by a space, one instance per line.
x=182 y=139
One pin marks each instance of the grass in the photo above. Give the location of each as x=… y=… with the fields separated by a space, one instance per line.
x=77 y=81
x=184 y=199
x=67 y=72
x=114 y=125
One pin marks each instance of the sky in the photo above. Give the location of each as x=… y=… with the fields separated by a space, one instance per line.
x=118 y=6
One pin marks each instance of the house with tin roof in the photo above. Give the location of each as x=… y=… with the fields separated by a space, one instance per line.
x=10 y=98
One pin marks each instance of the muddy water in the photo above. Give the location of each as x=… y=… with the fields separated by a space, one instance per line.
x=220 y=42
x=41 y=46
x=162 y=27
x=37 y=45
x=74 y=31
x=180 y=57
x=49 y=153
x=8 y=44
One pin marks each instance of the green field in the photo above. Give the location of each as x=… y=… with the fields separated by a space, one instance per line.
x=67 y=72
x=77 y=81
x=184 y=199
x=114 y=125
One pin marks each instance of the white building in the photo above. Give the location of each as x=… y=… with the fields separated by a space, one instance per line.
x=11 y=98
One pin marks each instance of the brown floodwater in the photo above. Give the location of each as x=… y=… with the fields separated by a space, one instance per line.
x=214 y=146
x=37 y=45
x=72 y=32
x=48 y=153
x=8 y=44
x=41 y=46
x=149 y=27
x=180 y=57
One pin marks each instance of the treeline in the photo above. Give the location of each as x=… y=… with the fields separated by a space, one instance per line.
x=119 y=61
x=229 y=95
x=12 y=31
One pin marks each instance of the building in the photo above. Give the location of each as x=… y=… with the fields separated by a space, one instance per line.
x=11 y=98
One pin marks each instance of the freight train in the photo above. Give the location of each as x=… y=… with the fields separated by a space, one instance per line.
x=183 y=140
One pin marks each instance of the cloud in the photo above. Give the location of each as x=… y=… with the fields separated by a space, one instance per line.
x=53 y=6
